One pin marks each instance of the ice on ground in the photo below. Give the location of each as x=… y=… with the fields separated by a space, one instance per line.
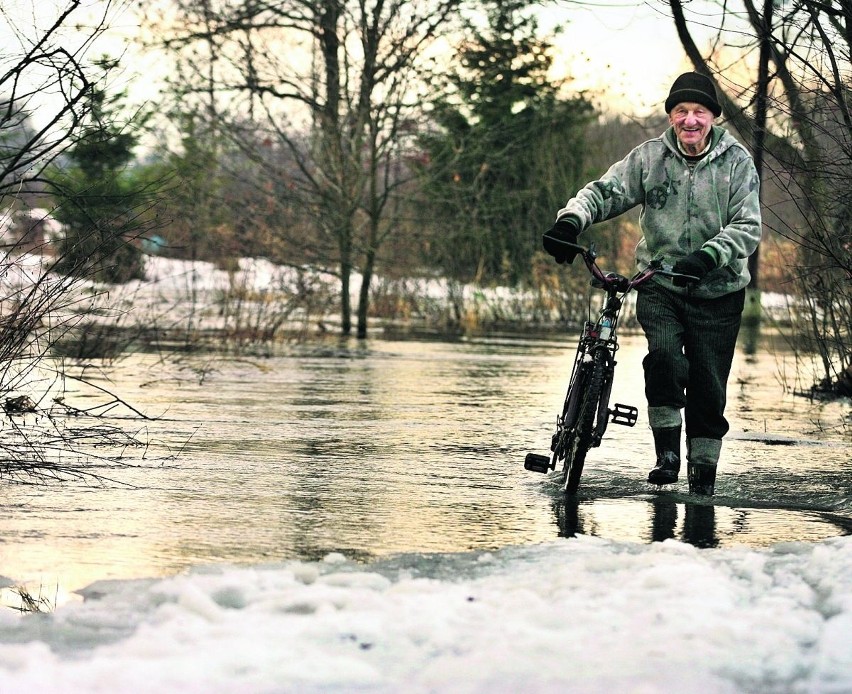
x=572 y=615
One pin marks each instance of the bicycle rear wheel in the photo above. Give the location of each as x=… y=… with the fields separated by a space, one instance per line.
x=581 y=436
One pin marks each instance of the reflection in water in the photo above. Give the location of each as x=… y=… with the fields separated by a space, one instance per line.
x=664 y=519
x=698 y=528
x=699 y=523
x=567 y=512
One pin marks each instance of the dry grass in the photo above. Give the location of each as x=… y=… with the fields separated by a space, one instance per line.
x=29 y=603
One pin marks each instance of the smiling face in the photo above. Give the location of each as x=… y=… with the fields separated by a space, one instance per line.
x=691 y=123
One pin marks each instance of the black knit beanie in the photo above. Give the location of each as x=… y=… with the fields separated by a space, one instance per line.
x=693 y=87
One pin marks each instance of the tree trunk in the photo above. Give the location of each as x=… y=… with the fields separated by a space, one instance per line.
x=345 y=283
x=752 y=312
x=364 y=294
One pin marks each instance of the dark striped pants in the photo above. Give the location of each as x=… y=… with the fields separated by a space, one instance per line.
x=691 y=345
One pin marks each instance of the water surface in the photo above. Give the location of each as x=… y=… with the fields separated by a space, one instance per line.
x=387 y=447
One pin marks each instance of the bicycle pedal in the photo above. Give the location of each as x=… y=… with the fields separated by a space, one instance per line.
x=537 y=463
x=624 y=414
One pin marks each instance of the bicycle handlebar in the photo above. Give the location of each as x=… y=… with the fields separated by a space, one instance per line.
x=621 y=283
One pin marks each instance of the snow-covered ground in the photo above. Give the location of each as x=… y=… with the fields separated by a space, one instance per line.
x=572 y=615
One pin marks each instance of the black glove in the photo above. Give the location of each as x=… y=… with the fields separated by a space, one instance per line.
x=555 y=239
x=696 y=264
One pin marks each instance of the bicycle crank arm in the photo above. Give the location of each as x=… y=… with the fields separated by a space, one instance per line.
x=623 y=414
x=537 y=463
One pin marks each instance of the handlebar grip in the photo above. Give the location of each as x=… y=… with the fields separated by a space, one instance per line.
x=567 y=252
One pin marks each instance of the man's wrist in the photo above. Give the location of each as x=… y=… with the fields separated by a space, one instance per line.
x=712 y=256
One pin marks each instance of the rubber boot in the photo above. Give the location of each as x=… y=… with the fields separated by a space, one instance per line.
x=667 y=445
x=702 y=456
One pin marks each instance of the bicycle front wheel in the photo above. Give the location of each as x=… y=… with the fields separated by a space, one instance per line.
x=582 y=434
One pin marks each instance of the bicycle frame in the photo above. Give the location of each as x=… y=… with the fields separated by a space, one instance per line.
x=600 y=336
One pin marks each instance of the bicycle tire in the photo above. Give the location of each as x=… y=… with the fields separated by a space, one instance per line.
x=582 y=435
x=568 y=420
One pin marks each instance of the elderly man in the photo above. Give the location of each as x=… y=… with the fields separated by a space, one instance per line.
x=698 y=191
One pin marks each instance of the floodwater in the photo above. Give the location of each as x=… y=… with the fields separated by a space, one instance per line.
x=386 y=447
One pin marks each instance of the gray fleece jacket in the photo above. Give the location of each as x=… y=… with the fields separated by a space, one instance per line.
x=715 y=207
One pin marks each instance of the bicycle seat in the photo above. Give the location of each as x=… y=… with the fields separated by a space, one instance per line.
x=620 y=282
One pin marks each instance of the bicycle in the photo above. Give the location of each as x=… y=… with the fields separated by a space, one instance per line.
x=585 y=411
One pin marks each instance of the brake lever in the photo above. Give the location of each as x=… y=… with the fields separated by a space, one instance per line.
x=678 y=279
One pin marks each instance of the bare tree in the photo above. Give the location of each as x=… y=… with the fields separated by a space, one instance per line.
x=43 y=73
x=805 y=140
x=334 y=84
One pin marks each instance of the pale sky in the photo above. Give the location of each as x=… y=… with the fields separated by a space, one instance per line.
x=630 y=49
